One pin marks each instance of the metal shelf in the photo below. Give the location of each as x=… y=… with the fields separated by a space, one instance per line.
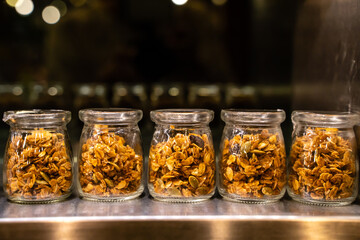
x=146 y=218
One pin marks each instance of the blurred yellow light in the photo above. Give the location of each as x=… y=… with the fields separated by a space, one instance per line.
x=78 y=3
x=85 y=90
x=122 y=92
x=174 y=91
x=12 y=3
x=17 y=91
x=179 y=2
x=52 y=91
x=24 y=7
x=61 y=6
x=51 y=15
x=138 y=89
x=219 y=2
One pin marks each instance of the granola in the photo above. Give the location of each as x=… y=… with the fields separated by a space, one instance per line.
x=38 y=166
x=108 y=166
x=322 y=165
x=182 y=166
x=253 y=165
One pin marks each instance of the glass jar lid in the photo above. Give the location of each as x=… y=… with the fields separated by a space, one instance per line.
x=37 y=117
x=110 y=115
x=253 y=116
x=325 y=118
x=182 y=116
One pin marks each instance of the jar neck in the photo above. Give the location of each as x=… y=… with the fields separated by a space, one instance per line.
x=254 y=125
x=34 y=126
x=37 y=118
x=324 y=127
x=182 y=117
x=182 y=126
x=253 y=117
x=325 y=119
x=110 y=125
x=110 y=116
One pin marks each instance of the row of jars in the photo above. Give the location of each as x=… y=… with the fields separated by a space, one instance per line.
x=252 y=167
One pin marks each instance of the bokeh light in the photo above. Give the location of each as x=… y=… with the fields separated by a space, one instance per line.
x=85 y=90
x=179 y=2
x=219 y=2
x=78 y=3
x=174 y=91
x=12 y=3
x=122 y=92
x=17 y=91
x=24 y=7
x=51 y=15
x=61 y=6
x=52 y=91
x=100 y=90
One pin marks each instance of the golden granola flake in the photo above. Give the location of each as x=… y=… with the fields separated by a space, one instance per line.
x=109 y=167
x=38 y=166
x=322 y=165
x=182 y=166
x=253 y=165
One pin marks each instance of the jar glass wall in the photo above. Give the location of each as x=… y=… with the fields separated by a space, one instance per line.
x=323 y=167
x=252 y=162
x=38 y=157
x=110 y=166
x=181 y=159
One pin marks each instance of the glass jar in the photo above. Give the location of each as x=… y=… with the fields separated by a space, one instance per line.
x=181 y=158
x=323 y=167
x=38 y=157
x=252 y=165
x=110 y=166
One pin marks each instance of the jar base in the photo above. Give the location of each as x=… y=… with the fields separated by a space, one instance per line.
x=249 y=201
x=38 y=201
x=324 y=203
x=239 y=199
x=111 y=198
x=180 y=200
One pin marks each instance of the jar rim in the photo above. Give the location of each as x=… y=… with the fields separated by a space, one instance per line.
x=182 y=116
x=110 y=115
x=327 y=118
x=37 y=116
x=253 y=116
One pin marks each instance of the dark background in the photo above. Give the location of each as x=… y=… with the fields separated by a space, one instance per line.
x=266 y=54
